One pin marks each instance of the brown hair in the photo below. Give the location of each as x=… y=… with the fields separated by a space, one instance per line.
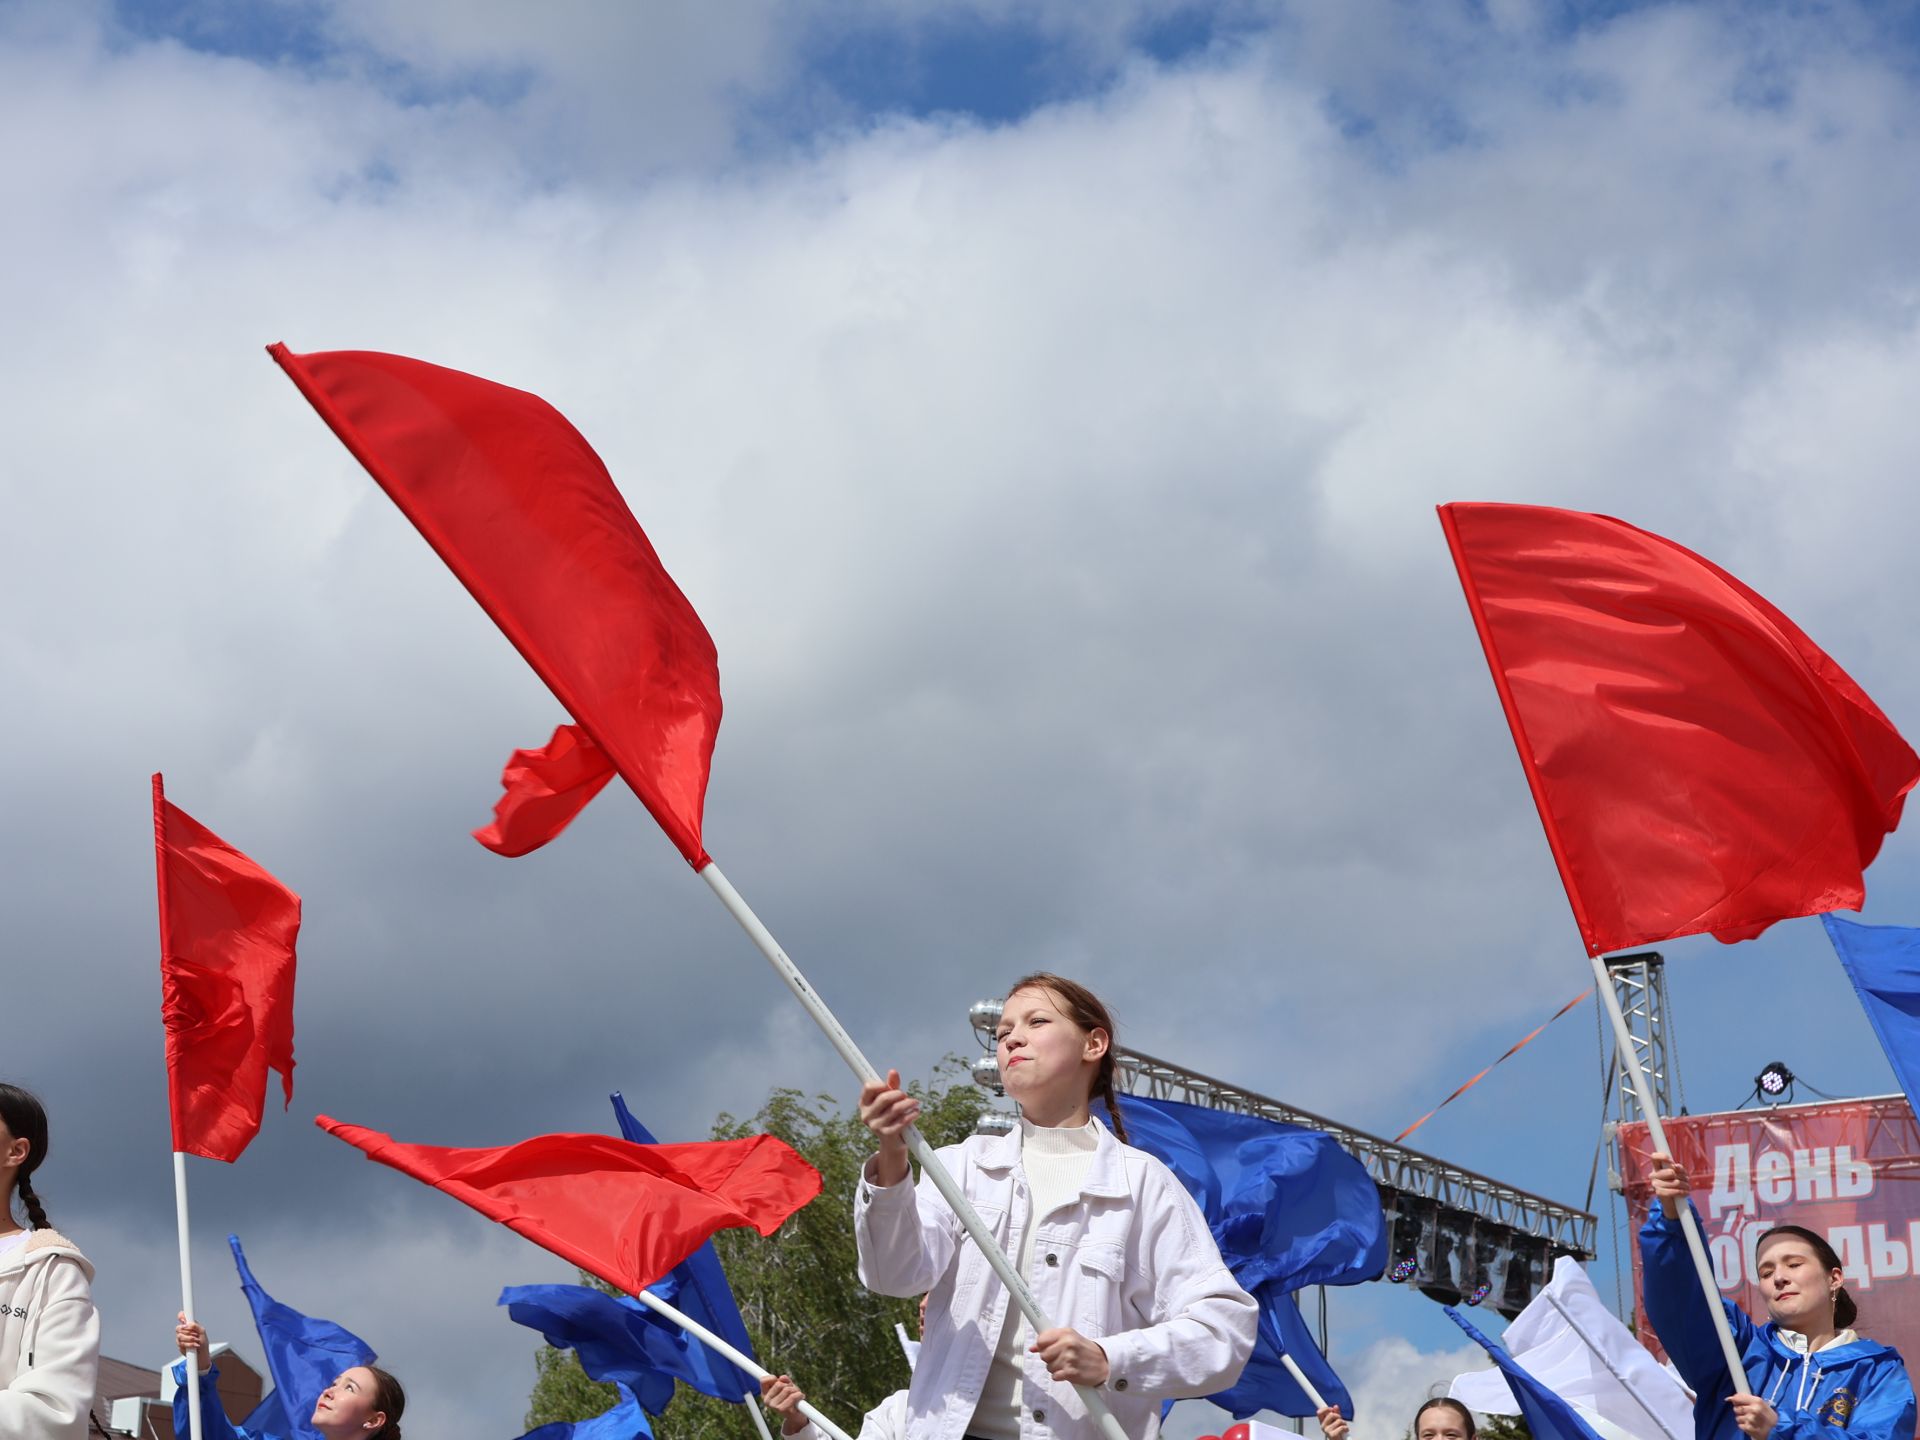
x=26 y=1119
x=1466 y=1415
x=388 y=1396
x=1083 y=1007
x=1845 y=1312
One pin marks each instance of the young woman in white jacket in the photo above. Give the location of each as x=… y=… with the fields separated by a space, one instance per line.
x=49 y=1330
x=1115 y=1250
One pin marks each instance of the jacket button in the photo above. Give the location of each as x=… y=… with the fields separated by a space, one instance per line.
x=1039 y=1417
x=1119 y=1384
x=1053 y=1259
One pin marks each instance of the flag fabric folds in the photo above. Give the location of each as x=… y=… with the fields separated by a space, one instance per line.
x=620 y=1340
x=544 y=790
x=227 y=936
x=1548 y=1417
x=522 y=510
x=701 y=1293
x=1288 y=1208
x=1571 y=1343
x=1883 y=962
x=304 y=1356
x=1698 y=763
x=627 y=1213
x=625 y=1421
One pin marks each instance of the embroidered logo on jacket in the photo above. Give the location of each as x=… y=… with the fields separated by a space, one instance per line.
x=1839 y=1409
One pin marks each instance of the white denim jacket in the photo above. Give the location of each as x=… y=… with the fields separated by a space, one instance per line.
x=1130 y=1264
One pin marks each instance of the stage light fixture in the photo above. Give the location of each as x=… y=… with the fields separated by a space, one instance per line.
x=1774 y=1082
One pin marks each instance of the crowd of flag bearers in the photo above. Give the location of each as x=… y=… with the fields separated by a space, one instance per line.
x=1699 y=765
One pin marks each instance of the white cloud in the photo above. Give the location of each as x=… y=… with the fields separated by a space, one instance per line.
x=1059 y=496
x=1393 y=1379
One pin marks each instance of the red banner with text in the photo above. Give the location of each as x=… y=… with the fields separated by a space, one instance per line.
x=1841 y=1169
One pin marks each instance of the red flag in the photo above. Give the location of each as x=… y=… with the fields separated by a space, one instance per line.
x=227 y=932
x=545 y=789
x=521 y=509
x=628 y=1213
x=1699 y=764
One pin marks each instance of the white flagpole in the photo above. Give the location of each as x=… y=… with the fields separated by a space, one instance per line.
x=1607 y=1362
x=930 y=1165
x=1636 y=1073
x=759 y=1372
x=186 y=1291
x=752 y=1406
x=1314 y=1397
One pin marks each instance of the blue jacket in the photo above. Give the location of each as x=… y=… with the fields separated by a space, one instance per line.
x=214 y=1424
x=1860 y=1388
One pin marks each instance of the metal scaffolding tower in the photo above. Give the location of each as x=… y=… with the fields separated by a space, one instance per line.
x=1640 y=980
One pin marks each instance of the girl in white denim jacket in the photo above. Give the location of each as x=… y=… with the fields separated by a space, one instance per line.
x=1116 y=1251
x=49 y=1330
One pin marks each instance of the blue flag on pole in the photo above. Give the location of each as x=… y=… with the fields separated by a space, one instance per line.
x=304 y=1357
x=1548 y=1417
x=1289 y=1208
x=620 y=1341
x=625 y=1421
x=702 y=1295
x=1883 y=962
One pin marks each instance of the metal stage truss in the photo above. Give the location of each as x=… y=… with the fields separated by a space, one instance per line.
x=1456 y=1234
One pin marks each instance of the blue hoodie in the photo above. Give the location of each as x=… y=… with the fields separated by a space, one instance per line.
x=1860 y=1388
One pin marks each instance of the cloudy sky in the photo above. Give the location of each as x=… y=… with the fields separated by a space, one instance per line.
x=1044 y=405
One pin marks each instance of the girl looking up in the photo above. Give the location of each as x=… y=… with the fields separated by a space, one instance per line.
x=1809 y=1372
x=1114 y=1248
x=363 y=1403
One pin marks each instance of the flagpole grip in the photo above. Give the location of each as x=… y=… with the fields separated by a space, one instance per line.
x=186 y=1291
x=745 y=1362
x=1314 y=1397
x=1703 y=1267
x=917 y=1146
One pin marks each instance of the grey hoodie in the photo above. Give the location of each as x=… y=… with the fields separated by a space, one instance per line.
x=49 y=1340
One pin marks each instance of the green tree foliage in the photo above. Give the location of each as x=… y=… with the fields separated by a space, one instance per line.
x=1504 y=1427
x=805 y=1308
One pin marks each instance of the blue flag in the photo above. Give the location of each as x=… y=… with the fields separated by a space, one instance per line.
x=1548 y=1417
x=1883 y=961
x=619 y=1340
x=1288 y=1208
x=702 y=1295
x=625 y=1421
x=304 y=1357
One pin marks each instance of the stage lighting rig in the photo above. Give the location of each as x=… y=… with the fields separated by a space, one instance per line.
x=1774 y=1083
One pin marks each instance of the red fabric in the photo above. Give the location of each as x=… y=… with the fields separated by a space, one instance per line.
x=1699 y=764
x=628 y=1213
x=545 y=789
x=515 y=501
x=227 y=933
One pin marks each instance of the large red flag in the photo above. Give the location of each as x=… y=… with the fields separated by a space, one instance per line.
x=628 y=1213
x=1699 y=764
x=521 y=509
x=544 y=790
x=227 y=933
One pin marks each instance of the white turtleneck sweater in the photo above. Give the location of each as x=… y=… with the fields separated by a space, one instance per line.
x=1055 y=1162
